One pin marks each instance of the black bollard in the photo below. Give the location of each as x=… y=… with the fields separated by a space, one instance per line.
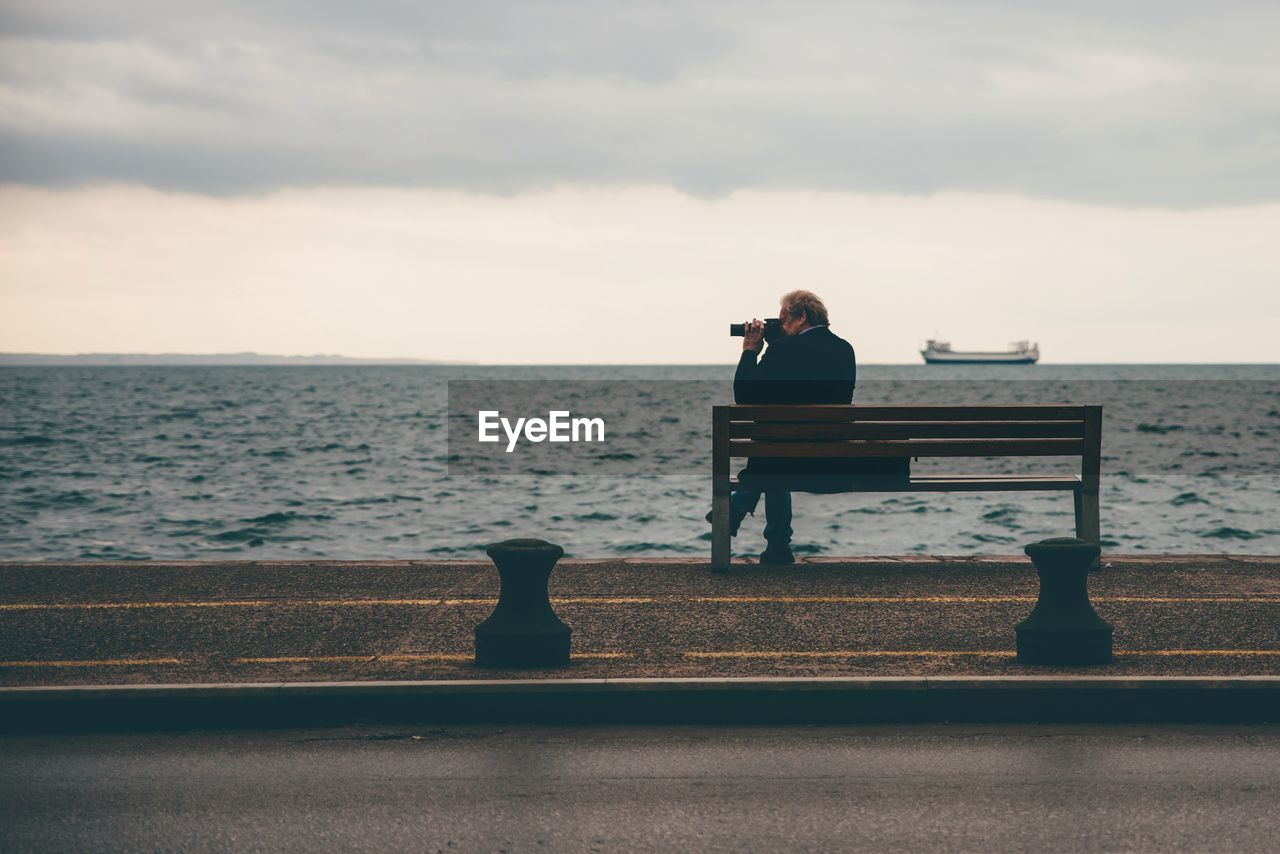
x=1063 y=627
x=523 y=631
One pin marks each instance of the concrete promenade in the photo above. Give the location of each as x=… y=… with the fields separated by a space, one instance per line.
x=207 y=622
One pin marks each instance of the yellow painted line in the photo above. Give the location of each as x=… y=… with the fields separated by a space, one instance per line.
x=105 y=606
x=948 y=653
x=348 y=659
x=853 y=600
x=608 y=656
x=964 y=600
x=103 y=662
x=1242 y=652
x=1194 y=600
x=406 y=657
x=630 y=600
x=569 y=600
x=318 y=603
x=858 y=653
x=297 y=659
x=226 y=603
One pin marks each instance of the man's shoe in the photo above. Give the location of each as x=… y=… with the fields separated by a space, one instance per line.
x=735 y=519
x=777 y=556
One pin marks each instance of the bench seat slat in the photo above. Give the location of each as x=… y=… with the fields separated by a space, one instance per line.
x=743 y=448
x=904 y=412
x=966 y=483
x=908 y=430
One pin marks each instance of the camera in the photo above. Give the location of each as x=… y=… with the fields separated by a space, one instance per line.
x=772 y=329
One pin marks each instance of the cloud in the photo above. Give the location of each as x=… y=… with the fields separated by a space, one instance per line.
x=1134 y=104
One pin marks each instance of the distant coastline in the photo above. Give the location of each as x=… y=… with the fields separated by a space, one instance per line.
x=202 y=359
x=249 y=358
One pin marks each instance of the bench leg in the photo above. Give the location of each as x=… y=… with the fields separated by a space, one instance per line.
x=1088 y=520
x=720 y=533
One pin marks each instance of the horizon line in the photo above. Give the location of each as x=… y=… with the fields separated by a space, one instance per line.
x=410 y=361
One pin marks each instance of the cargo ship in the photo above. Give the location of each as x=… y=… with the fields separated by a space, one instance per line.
x=1019 y=353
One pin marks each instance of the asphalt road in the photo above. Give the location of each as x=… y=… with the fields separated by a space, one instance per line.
x=942 y=788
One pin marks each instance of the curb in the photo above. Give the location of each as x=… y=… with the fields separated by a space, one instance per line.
x=755 y=700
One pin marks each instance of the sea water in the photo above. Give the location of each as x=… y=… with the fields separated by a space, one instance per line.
x=352 y=462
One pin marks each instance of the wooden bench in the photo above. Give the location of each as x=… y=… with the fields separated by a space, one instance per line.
x=832 y=431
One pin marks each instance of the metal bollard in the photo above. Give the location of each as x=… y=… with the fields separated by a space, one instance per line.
x=1063 y=628
x=523 y=631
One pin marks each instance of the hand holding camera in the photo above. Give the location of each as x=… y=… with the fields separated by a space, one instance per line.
x=756 y=333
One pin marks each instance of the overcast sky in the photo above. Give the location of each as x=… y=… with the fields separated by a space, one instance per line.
x=523 y=178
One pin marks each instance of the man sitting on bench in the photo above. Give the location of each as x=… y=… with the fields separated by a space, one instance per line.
x=805 y=363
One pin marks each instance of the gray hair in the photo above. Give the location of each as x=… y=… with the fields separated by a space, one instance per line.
x=807 y=303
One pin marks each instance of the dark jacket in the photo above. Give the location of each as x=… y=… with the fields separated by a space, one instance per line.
x=815 y=367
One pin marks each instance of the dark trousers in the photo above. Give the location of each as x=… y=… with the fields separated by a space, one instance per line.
x=777 y=512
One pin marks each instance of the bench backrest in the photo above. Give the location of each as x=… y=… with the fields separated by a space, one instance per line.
x=1021 y=430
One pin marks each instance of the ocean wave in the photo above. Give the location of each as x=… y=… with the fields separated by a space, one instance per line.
x=645 y=547
x=27 y=441
x=175 y=415
x=286 y=517
x=472 y=550
x=1229 y=533
x=251 y=536
x=112 y=554
x=376 y=499
x=60 y=501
